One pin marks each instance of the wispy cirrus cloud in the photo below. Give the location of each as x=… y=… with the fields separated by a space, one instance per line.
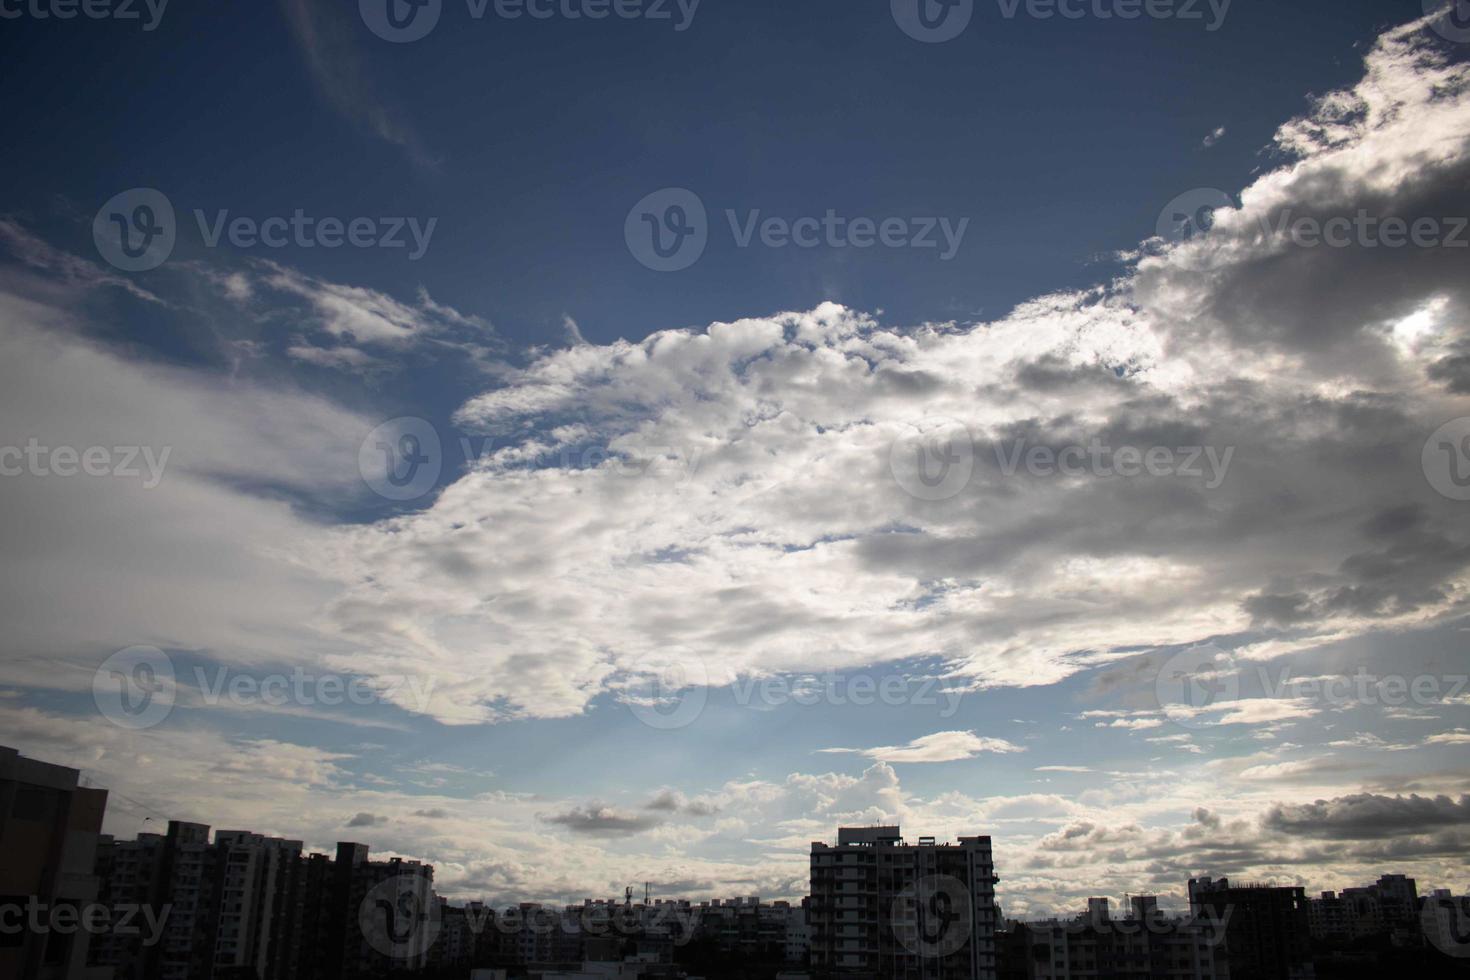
x=70 y=269
x=937 y=747
x=324 y=34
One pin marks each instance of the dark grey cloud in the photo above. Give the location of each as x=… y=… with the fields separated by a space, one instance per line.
x=599 y=820
x=367 y=820
x=672 y=801
x=1453 y=373
x=1367 y=816
x=667 y=801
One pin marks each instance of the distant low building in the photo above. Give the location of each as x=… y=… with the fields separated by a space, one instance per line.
x=1146 y=945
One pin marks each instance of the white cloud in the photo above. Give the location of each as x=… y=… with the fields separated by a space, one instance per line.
x=937 y=747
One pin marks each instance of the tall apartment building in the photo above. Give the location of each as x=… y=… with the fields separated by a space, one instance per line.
x=128 y=874
x=221 y=904
x=383 y=915
x=249 y=907
x=883 y=908
x=1146 y=945
x=49 y=828
x=255 y=877
x=1267 y=936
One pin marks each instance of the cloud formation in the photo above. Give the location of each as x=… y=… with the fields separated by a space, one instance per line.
x=938 y=747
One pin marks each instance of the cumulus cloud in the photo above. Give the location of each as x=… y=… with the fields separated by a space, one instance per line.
x=738 y=498
x=1367 y=816
x=735 y=494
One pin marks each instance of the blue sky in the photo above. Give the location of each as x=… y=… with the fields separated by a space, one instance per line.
x=1061 y=140
x=652 y=492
